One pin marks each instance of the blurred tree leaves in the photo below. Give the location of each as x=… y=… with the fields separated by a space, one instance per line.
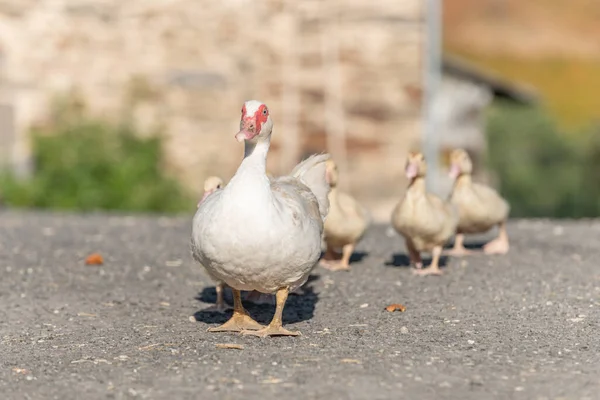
x=84 y=165
x=542 y=171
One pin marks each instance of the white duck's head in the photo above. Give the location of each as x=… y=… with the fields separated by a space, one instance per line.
x=211 y=184
x=256 y=123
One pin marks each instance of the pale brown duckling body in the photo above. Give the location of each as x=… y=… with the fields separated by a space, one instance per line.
x=424 y=220
x=345 y=225
x=480 y=207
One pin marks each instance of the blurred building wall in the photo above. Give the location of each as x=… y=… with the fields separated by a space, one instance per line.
x=333 y=72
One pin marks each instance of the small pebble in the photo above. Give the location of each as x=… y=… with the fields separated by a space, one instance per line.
x=404 y=330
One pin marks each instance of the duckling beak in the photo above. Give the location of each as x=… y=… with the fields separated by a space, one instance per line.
x=204 y=196
x=454 y=171
x=411 y=170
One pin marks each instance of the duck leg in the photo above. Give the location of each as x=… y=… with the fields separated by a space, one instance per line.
x=275 y=328
x=220 y=306
x=459 y=248
x=500 y=244
x=344 y=263
x=413 y=254
x=240 y=320
x=434 y=268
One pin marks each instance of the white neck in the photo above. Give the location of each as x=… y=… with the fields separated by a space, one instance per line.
x=255 y=156
x=250 y=181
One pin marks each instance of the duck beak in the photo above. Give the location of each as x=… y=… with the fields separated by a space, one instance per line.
x=247 y=130
x=243 y=135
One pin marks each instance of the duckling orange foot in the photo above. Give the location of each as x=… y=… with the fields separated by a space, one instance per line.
x=219 y=308
x=496 y=246
x=271 y=331
x=457 y=252
x=459 y=248
x=428 y=271
x=336 y=266
x=238 y=323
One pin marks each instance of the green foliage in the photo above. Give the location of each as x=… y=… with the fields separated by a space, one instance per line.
x=89 y=165
x=543 y=172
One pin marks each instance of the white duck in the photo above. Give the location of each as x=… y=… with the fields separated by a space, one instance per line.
x=212 y=184
x=259 y=233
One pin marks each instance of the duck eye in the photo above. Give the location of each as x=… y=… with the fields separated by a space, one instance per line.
x=265 y=111
x=218 y=186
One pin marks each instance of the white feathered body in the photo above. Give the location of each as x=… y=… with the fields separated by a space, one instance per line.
x=263 y=234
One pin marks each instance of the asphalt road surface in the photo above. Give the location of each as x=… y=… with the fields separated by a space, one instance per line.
x=521 y=326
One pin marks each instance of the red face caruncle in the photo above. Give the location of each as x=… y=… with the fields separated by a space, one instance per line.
x=251 y=125
x=259 y=118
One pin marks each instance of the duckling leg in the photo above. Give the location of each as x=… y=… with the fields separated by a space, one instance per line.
x=240 y=320
x=220 y=306
x=344 y=263
x=259 y=298
x=434 y=268
x=328 y=258
x=500 y=244
x=298 y=291
x=275 y=328
x=413 y=254
x=459 y=248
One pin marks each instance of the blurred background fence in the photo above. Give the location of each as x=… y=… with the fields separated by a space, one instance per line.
x=129 y=105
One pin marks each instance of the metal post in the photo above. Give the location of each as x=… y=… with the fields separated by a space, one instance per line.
x=432 y=50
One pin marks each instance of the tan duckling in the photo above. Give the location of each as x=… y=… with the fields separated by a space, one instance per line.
x=211 y=184
x=425 y=220
x=345 y=225
x=480 y=207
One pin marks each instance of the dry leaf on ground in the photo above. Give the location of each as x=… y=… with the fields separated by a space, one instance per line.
x=229 y=346
x=94 y=259
x=20 y=371
x=395 y=307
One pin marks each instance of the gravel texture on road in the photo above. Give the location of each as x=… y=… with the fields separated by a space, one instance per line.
x=521 y=326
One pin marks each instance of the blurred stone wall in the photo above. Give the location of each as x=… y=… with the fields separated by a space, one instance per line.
x=347 y=68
